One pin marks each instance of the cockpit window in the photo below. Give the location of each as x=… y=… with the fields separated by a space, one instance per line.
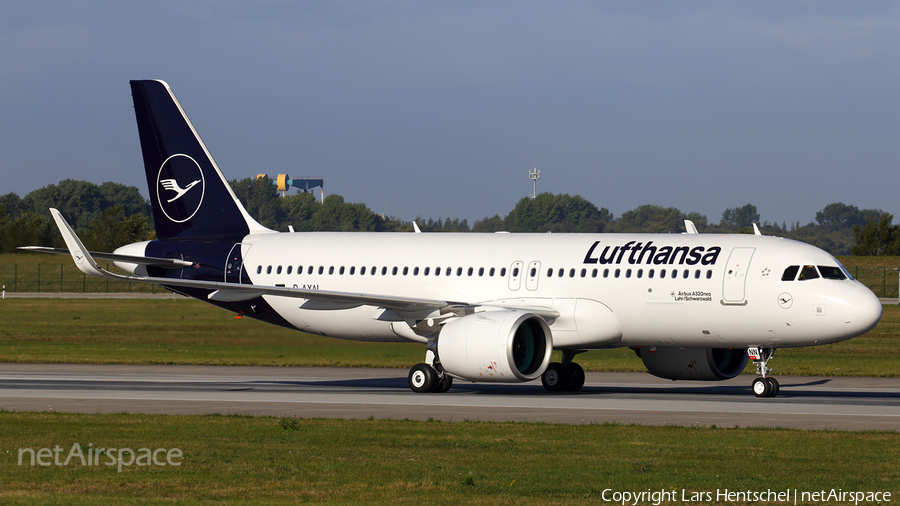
x=845 y=271
x=790 y=273
x=829 y=272
x=808 y=272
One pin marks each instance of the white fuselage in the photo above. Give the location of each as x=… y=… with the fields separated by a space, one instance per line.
x=669 y=290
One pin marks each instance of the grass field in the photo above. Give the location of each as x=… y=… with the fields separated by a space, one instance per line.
x=191 y=332
x=255 y=460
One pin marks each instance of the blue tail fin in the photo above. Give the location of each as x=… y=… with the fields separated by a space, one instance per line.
x=190 y=197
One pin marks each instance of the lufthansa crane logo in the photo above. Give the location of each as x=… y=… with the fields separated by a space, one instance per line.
x=180 y=188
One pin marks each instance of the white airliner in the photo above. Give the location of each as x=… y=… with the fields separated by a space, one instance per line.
x=487 y=307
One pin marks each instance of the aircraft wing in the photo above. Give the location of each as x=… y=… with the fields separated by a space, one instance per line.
x=231 y=292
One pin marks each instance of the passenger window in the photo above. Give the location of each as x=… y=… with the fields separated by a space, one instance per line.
x=331 y=270
x=492 y=272
x=416 y=271
x=269 y=270
x=640 y=273
x=362 y=270
x=628 y=273
x=449 y=270
x=259 y=269
x=651 y=273
x=470 y=271
x=503 y=272
x=352 y=270
x=605 y=273
x=459 y=271
x=550 y=272
x=437 y=271
x=394 y=271
x=341 y=272
x=561 y=272
x=829 y=272
x=321 y=270
x=405 y=271
x=674 y=273
x=583 y=272
x=618 y=271
x=790 y=273
x=686 y=274
x=299 y=269
x=515 y=272
x=278 y=270
x=697 y=274
x=808 y=272
x=309 y=271
x=290 y=268
x=384 y=270
x=709 y=274
x=427 y=270
x=594 y=273
x=571 y=273
x=662 y=273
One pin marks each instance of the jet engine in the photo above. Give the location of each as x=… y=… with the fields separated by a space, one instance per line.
x=506 y=346
x=704 y=364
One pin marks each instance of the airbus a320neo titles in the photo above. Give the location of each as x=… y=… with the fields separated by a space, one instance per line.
x=486 y=307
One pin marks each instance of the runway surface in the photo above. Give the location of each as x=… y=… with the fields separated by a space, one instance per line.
x=804 y=402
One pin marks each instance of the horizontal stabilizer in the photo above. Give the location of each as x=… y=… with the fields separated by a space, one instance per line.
x=163 y=263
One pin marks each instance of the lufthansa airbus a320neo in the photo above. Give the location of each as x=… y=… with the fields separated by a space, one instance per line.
x=486 y=307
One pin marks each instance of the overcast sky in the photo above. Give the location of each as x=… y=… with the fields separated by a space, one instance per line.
x=440 y=109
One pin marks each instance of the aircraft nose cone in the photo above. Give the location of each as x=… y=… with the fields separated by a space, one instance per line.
x=862 y=311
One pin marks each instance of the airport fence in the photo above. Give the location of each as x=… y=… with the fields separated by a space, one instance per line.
x=66 y=278
x=63 y=278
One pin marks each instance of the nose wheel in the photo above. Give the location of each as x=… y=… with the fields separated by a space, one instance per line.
x=763 y=386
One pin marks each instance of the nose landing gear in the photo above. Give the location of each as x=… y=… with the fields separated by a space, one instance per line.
x=763 y=386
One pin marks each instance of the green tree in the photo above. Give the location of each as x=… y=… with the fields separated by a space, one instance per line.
x=556 y=213
x=81 y=202
x=260 y=199
x=740 y=217
x=878 y=237
x=492 y=224
x=651 y=219
x=28 y=229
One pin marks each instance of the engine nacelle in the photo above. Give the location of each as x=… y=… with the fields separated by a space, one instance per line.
x=704 y=364
x=498 y=346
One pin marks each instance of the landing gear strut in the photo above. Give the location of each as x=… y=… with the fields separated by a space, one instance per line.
x=763 y=386
x=567 y=375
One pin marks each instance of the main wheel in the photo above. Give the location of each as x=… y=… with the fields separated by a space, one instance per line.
x=422 y=378
x=773 y=385
x=761 y=387
x=576 y=377
x=442 y=385
x=555 y=378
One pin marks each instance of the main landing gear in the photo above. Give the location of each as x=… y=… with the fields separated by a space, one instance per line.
x=567 y=375
x=425 y=378
x=763 y=386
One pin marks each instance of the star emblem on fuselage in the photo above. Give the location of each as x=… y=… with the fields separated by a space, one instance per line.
x=765 y=272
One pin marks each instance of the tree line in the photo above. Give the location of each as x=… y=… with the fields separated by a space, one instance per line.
x=109 y=215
